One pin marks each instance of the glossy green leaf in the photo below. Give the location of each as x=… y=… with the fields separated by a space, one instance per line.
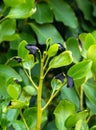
x=63 y=59
x=63 y=110
x=30 y=115
x=17 y=104
x=22 y=51
x=7 y=29
x=93 y=127
x=73 y=46
x=90 y=92
x=89 y=40
x=91 y=107
x=67 y=93
x=91 y=54
x=18 y=125
x=43 y=14
x=72 y=119
x=7 y=72
x=81 y=125
x=29 y=90
x=13 y=3
x=80 y=70
x=29 y=62
x=53 y=49
x=56 y=84
x=14 y=90
x=63 y=13
x=45 y=31
x=24 y=10
x=85 y=7
x=14 y=114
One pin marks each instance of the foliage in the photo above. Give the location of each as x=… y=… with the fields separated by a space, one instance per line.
x=47 y=64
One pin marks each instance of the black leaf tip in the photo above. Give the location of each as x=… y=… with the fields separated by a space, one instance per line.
x=32 y=49
x=70 y=82
x=60 y=77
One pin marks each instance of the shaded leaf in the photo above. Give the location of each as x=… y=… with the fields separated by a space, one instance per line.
x=45 y=31
x=63 y=13
x=43 y=14
x=73 y=46
x=18 y=125
x=7 y=72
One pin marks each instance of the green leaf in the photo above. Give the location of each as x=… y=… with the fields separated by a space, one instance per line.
x=7 y=29
x=63 y=110
x=89 y=40
x=29 y=62
x=67 y=93
x=56 y=84
x=93 y=127
x=14 y=114
x=29 y=90
x=73 y=46
x=53 y=49
x=63 y=59
x=81 y=125
x=72 y=119
x=91 y=54
x=45 y=31
x=22 y=51
x=13 y=3
x=17 y=104
x=43 y=14
x=7 y=72
x=90 y=92
x=85 y=7
x=21 y=11
x=80 y=70
x=14 y=90
x=63 y=13
x=30 y=115
x=18 y=125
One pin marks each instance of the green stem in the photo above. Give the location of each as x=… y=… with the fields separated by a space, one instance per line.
x=52 y=96
x=39 y=95
x=30 y=78
x=24 y=120
x=81 y=98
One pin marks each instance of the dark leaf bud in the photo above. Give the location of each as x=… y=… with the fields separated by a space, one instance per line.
x=32 y=49
x=70 y=82
x=61 y=77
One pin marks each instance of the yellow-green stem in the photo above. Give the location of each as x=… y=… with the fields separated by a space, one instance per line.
x=81 y=98
x=39 y=95
x=24 y=120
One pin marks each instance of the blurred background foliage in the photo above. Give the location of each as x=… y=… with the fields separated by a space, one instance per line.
x=35 y=21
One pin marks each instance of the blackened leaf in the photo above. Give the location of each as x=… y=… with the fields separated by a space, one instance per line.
x=70 y=82
x=61 y=77
x=33 y=49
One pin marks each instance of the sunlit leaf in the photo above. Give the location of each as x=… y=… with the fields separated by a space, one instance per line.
x=80 y=69
x=63 y=110
x=72 y=119
x=24 y=10
x=65 y=58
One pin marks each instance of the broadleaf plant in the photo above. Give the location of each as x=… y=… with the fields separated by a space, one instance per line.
x=47 y=65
